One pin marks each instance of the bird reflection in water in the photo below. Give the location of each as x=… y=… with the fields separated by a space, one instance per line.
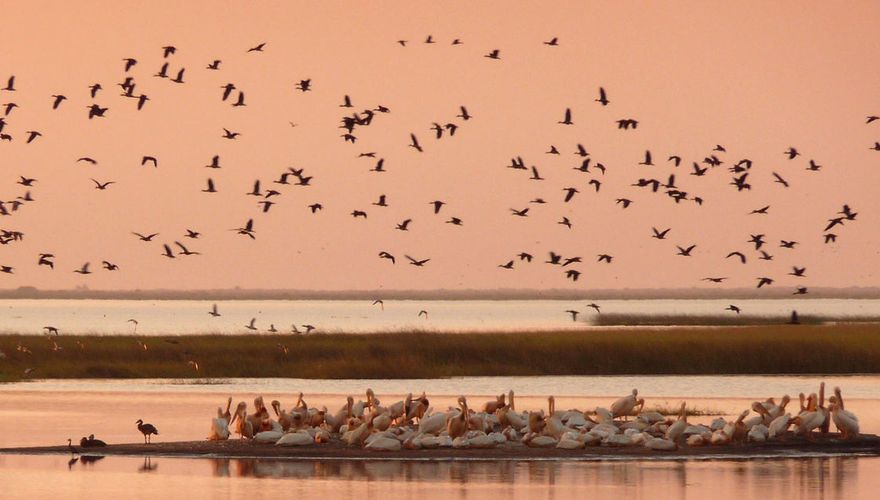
x=148 y=465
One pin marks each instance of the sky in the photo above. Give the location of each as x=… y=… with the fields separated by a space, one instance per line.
x=753 y=77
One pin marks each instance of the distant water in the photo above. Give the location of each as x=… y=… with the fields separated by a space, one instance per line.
x=110 y=317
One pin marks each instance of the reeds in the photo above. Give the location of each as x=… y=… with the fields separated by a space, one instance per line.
x=777 y=349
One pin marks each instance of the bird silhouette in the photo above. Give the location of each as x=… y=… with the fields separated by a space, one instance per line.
x=210 y=188
x=764 y=281
x=58 y=99
x=495 y=54
x=179 y=77
x=437 y=205
x=304 y=85
x=508 y=265
x=148 y=237
x=715 y=280
x=604 y=257
x=741 y=256
x=414 y=143
x=565 y=222
x=660 y=235
x=797 y=271
x=150 y=159
x=10 y=84
x=567 y=119
x=83 y=270
x=215 y=65
x=386 y=255
x=258 y=48
x=184 y=250
x=227 y=134
x=792 y=153
x=214 y=312
x=404 y=226
x=102 y=185
x=602 y=97
x=574 y=314
x=685 y=252
x=464 y=114
x=415 y=262
x=168 y=252
x=733 y=308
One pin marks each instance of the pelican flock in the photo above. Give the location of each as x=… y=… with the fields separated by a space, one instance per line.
x=412 y=424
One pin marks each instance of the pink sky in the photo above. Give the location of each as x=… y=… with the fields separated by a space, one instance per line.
x=756 y=77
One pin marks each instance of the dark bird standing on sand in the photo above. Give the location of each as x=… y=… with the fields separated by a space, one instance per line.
x=146 y=430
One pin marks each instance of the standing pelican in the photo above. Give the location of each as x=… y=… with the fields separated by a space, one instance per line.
x=624 y=406
x=674 y=432
x=457 y=426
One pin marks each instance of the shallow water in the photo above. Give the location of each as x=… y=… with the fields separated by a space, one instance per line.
x=48 y=412
x=827 y=477
x=109 y=317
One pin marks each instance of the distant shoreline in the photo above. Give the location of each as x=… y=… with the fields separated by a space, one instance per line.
x=466 y=294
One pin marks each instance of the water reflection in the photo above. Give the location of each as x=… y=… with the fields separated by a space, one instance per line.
x=42 y=476
x=806 y=474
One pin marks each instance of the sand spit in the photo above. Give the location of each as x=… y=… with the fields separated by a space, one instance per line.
x=867 y=445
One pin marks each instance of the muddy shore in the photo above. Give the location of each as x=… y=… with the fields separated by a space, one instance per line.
x=867 y=445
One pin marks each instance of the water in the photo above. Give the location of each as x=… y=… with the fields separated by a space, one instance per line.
x=48 y=412
x=117 y=477
x=44 y=413
x=110 y=317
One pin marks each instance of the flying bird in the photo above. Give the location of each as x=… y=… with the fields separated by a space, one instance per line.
x=567 y=119
x=602 y=98
x=258 y=48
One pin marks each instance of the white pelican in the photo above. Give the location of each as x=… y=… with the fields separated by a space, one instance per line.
x=493 y=406
x=677 y=428
x=661 y=444
x=220 y=425
x=624 y=406
x=283 y=417
x=433 y=423
x=458 y=425
x=268 y=436
x=845 y=421
x=383 y=444
x=244 y=428
x=779 y=426
x=298 y=438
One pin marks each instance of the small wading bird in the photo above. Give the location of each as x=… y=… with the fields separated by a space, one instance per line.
x=147 y=430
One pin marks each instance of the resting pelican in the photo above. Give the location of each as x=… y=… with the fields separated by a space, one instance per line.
x=845 y=421
x=779 y=426
x=493 y=406
x=298 y=438
x=283 y=417
x=458 y=425
x=220 y=425
x=432 y=423
x=624 y=406
x=674 y=432
x=244 y=428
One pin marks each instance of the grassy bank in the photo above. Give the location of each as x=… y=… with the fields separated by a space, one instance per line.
x=782 y=349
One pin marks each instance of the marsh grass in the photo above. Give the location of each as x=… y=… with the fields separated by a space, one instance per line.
x=621 y=319
x=777 y=349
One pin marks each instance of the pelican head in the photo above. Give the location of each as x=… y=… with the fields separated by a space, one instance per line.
x=276 y=405
x=785 y=400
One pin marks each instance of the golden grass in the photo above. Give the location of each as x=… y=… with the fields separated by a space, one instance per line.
x=778 y=349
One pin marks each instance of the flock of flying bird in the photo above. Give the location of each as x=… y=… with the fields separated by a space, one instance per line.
x=669 y=184
x=412 y=423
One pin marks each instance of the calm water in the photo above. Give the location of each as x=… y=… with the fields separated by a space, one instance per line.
x=191 y=316
x=48 y=412
x=124 y=477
